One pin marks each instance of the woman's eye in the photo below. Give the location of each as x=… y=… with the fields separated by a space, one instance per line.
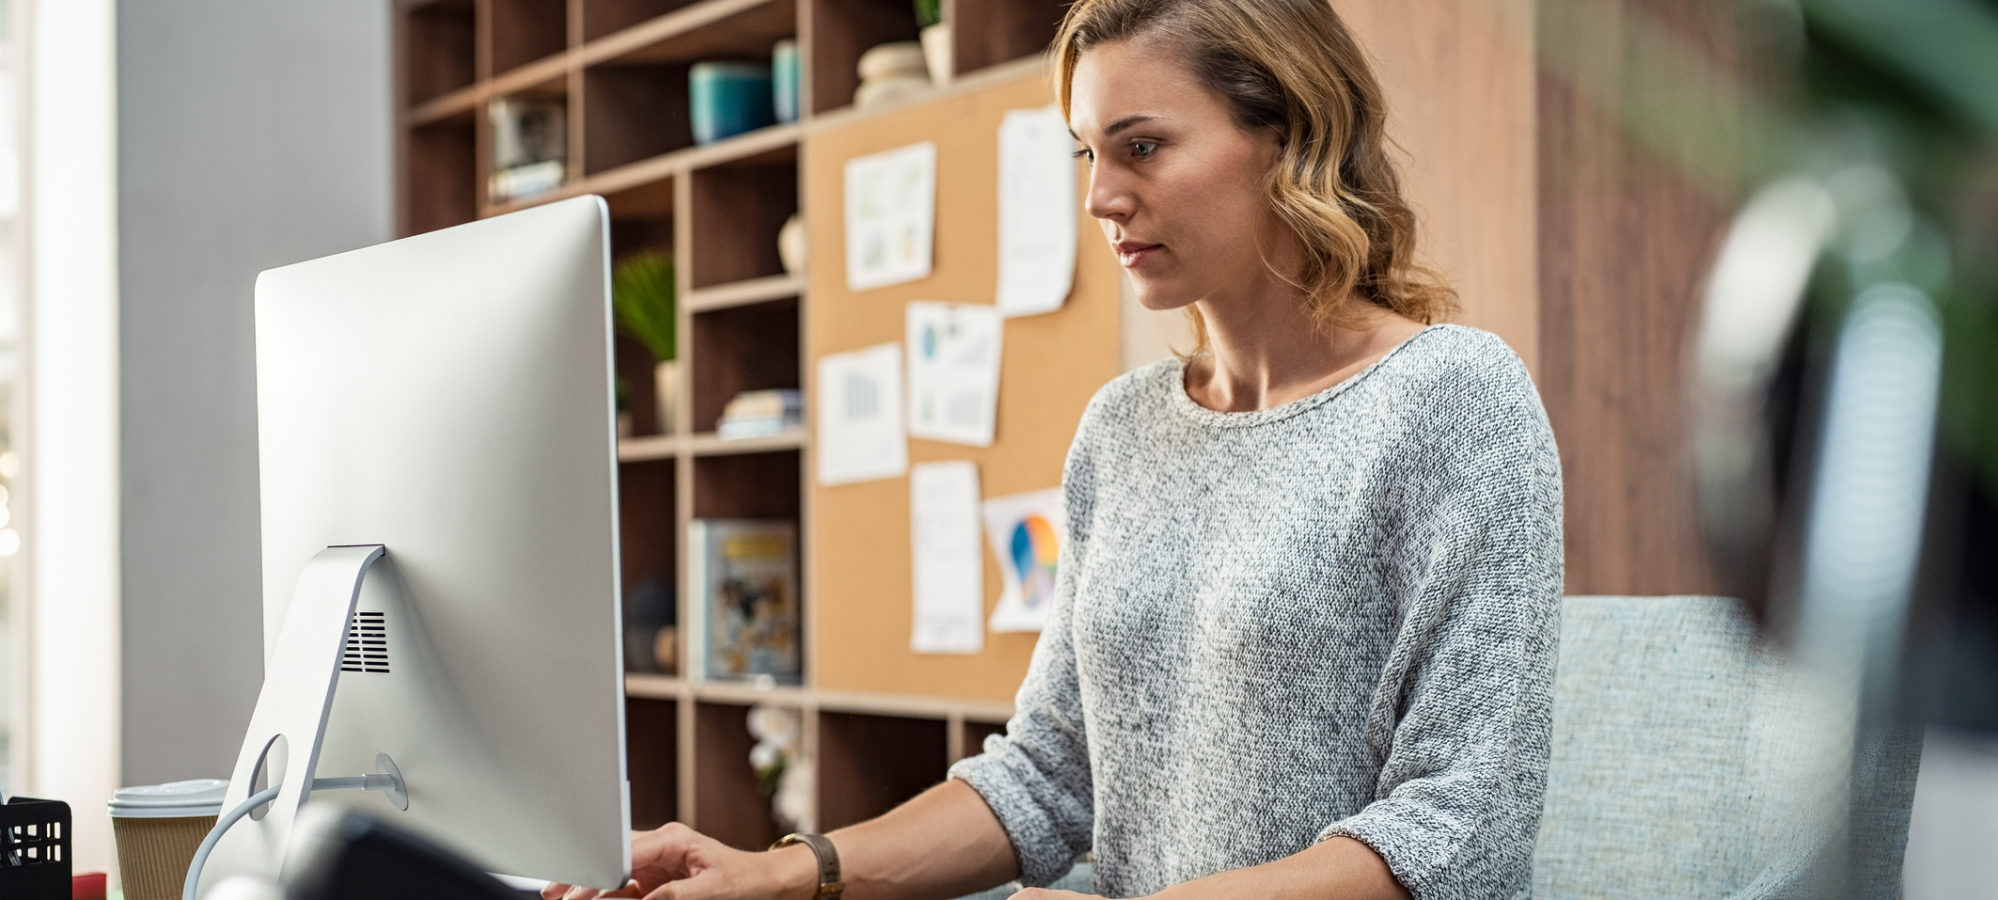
x=1144 y=149
x=1084 y=153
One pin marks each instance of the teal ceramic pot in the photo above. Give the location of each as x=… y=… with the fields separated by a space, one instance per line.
x=784 y=80
x=728 y=98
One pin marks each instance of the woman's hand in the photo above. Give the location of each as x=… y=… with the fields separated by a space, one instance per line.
x=675 y=862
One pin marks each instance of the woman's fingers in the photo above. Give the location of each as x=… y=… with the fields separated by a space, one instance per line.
x=663 y=859
x=700 y=887
x=559 y=891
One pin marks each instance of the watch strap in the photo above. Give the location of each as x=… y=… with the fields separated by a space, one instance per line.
x=830 y=887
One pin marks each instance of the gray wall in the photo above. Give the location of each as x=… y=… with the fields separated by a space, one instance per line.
x=251 y=133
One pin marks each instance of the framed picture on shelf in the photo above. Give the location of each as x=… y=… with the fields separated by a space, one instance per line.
x=743 y=575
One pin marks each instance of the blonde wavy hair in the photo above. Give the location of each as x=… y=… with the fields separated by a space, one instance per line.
x=1291 y=67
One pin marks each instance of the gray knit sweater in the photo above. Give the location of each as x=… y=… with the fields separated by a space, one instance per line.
x=1271 y=628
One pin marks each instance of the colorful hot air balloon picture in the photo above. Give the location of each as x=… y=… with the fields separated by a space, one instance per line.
x=1035 y=548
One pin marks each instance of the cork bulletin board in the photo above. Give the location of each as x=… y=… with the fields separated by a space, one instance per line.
x=857 y=555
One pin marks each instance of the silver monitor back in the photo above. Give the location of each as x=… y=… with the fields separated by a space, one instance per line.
x=448 y=396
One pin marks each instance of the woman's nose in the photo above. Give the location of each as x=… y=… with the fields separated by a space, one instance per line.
x=1109 y=197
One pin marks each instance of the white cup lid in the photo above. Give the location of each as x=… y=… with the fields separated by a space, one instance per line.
x=175 y=799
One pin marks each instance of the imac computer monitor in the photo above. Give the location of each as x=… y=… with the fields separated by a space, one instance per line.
x=440 y=564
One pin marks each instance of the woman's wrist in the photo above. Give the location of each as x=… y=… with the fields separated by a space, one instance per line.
x=795 y=869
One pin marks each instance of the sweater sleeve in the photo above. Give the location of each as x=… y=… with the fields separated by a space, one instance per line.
x=1461 y=718
x=1036 y=777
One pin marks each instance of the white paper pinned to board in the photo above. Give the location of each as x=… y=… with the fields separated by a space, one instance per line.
x=1037 y=212
x=860 y=436
x=891 y=213
x=953 y=352
x=949 y=568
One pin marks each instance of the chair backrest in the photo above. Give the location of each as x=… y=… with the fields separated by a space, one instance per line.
x=1077 y=880
x=1689 y=760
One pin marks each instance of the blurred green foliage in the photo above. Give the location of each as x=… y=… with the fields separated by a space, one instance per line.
x=644 y=301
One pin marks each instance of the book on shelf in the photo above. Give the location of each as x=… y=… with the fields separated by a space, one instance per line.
x=523 y=182
x=762 y=413
x=745 y=607
x=530 y=147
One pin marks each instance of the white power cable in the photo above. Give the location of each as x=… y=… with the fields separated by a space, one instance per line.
x=222 y=825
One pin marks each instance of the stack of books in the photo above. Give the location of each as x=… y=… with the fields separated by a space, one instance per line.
x=762 y=414
x=530 y=147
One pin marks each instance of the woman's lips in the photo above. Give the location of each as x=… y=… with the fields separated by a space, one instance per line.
x=1133 y=255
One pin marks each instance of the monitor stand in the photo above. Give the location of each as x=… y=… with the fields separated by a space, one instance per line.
x=289 y=724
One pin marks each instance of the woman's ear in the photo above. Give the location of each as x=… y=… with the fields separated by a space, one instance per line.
x=1274 y=141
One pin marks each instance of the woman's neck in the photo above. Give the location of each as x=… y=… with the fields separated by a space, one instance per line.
x=1267 y=352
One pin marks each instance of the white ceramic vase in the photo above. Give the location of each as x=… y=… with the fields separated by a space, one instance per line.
x=791 y=245
x=936 y=52
x=666 y=383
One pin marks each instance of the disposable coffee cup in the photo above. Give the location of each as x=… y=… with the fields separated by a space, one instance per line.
x=158 y=827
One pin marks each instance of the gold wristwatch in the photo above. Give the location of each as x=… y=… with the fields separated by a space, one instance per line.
x=830 y=886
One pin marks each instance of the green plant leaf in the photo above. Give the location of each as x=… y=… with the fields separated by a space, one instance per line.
x=929 y=12
x=643 y=299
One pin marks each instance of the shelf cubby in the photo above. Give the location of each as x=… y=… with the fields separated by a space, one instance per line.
x=527 y=31
x=635 y=86
x=437 y=51
x=870 y=763
x=648 y=542
x=634 y=366
x=632 y=111
x=986 y=34
x=747 y=486
x=440 y=174
x=652 y=743
x=972 y=734
x=641 y=222
x=742 y=348
x=641 y=216
x=541 y=83
x=741 y=206
x=603 y=17
x=729 y=805
x=842 y=30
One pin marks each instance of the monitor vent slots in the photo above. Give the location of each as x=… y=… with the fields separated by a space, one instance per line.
x=367 y=644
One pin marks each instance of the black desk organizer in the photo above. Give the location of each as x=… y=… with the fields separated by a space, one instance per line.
x=34 y=849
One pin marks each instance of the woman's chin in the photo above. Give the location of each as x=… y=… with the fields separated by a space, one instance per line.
x=1154 y=298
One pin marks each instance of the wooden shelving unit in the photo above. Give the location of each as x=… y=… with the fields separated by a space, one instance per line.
x=621 y=68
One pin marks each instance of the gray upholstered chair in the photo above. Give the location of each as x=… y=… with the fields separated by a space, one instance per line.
x=1691 y=761
x=1077 y=879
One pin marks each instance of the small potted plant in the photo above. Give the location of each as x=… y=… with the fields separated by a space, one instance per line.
x=936 y=40
x=643 y=299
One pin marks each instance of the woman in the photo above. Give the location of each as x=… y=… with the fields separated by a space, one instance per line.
x=1303 y=640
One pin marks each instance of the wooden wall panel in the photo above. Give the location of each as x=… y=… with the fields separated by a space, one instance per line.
x=858 y=569
x=1626 y=238
x=1460 y=82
